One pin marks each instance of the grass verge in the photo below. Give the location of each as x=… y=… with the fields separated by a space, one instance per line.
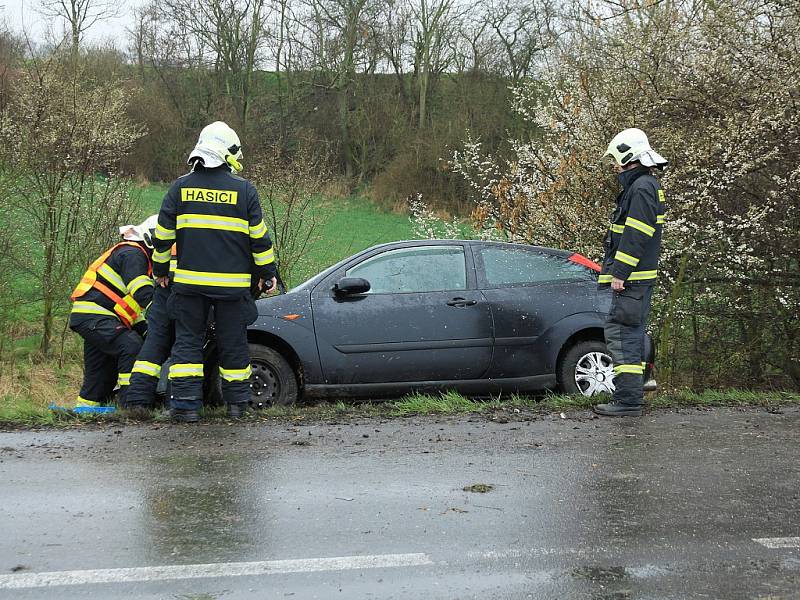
x=30 y=412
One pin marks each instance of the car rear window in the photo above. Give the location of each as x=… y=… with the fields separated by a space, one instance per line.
x=519 y=266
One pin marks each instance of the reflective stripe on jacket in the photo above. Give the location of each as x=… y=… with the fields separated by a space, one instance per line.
x=215 y=220
x=118 y=284
x=633 y=241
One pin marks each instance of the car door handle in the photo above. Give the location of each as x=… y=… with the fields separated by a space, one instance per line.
x=461 y=302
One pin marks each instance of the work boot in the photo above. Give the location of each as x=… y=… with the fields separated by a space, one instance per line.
x=236 y=411
x=618 y=409
x=137 y=412
x=184 y=415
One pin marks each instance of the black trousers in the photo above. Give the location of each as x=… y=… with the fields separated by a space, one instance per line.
x=109 y=351
x=625 y=331
x=190 y=313
x=155 y=351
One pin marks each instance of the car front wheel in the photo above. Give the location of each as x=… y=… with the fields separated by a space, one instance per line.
x=587 y=369
x=273 y=381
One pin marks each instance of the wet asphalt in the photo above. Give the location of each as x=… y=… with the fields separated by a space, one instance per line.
x=666 y=506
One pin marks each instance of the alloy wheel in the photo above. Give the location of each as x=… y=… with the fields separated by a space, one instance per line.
x=594 y=374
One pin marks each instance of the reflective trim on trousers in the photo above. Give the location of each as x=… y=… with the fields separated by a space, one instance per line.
x=147 y=368
x=185 y=370
x=235 y=374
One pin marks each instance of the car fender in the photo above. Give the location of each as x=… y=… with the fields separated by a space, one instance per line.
x=286 y=335
x=554 y=338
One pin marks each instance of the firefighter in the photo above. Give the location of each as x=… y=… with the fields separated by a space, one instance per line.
x=214 y=218
x=630 y=266
x=155 y=350
x=108 y=313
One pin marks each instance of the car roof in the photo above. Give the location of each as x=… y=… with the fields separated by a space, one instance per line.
x=448 y=242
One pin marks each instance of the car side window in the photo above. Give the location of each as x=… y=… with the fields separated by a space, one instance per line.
x=417 y=269
x=518 y=266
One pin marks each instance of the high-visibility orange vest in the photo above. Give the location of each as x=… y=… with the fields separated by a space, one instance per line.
x=122 y=308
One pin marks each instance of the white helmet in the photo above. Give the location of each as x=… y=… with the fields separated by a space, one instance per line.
x=143 y=232
x=631 y=145
x=218 y=145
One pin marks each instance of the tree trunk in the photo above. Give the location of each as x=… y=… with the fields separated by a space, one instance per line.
x=344 y=131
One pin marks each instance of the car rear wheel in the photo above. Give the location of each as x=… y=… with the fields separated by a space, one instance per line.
x=273 y=381
x=587 y=369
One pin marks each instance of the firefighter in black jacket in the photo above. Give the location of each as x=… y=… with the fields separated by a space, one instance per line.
x=108 y=313
x=630 y=266
x=214 y=218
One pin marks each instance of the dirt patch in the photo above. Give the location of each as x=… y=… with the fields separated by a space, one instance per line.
x=479 y=488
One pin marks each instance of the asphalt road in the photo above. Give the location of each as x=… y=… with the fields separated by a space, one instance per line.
x=693 y=504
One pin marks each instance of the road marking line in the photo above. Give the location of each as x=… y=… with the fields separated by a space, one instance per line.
x=242 y=569
x=779 y=542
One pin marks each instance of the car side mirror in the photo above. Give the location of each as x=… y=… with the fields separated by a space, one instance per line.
x=350 y=286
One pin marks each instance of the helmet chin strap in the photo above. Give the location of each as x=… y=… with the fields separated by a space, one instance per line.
x=234 y=164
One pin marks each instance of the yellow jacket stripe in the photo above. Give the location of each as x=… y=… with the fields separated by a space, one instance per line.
x=258 y=231
x=659 y=219
x=113 y=277
x=138 y=283
x=264 y=258
x=617 y=228
x=637 y=369
x=161 y=257
x=162 y=233
x=147 y=368
x=643 y=275
x=213 y=222
x=605 y=278
x=626 y=258
x=185 y=370
x=124 y=379
x=640 y=226
x=214 y=279
x=235 y=374
x=91 y=308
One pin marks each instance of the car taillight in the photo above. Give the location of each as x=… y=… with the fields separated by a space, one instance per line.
x=582 y=260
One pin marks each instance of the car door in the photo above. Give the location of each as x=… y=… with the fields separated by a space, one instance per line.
x=422 y=320
x=529 y=290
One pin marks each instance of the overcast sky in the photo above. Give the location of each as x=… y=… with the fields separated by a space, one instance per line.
x=21 y=14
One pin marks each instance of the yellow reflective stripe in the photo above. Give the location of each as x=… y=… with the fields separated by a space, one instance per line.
x=642 y=275
x=258 y=231
x=235 y=374
x=264 y=258
x=185 y=370
x=604 y=279
x=213 y=222
x=138 y=283
x=146 y=368
x=124 y=379
x=112 y=276
x=634 y=369
x=626 y=258
x=661 y=196
x=214 y=279
x=161 y=257
x=91 y=308
x=660 y=220
x=617 y=228
x=173 y=264
x=84 y=402
x=640 y=225
x=162 y=233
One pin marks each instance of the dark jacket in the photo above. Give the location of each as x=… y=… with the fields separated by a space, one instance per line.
x=127 y=273
x=633 y=241
x=215 y=219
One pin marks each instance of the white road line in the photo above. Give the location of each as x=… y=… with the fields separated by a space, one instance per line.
x=266 y=567
x=779 y=542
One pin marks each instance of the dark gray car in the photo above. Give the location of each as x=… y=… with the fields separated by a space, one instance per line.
x=478 y=317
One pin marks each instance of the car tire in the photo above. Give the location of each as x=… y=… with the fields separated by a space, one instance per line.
x=273 y=382
x=586 y=369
